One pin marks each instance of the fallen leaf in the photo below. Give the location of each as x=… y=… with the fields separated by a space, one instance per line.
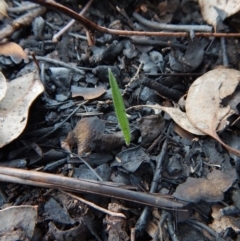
x=20 y=94
x=87 y=93
x=208 y=189
x=215 y=10
x=3 y=86
x=3 y=9
x=221 y=223
x=203 y=101
x=14 y=51
x=233 y=100
x=22 y=217
x=89 y=136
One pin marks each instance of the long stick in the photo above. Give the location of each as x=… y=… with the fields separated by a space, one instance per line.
x=113 y=190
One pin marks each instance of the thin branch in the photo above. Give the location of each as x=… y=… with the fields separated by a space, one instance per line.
x=171 y=27
x=22 y=8
x=108 y=189
x=65 y=28
x=91 y=26
x=121 y=215
x=58 y=62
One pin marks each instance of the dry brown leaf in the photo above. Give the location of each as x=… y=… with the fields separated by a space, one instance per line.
x=14 y=51
x=221 y=223
x=88 y=135
x=215 y=10
x=208 y=189
x=3 y=86
x=3 y=9
x=87 y=93
x=20 y=94
x=203 y=101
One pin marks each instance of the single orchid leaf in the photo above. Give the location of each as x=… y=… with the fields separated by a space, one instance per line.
x=119 y=107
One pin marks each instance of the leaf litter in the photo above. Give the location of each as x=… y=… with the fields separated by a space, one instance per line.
x=14 y=107
x=204 y=114
x=98 y=136
x=203 y=101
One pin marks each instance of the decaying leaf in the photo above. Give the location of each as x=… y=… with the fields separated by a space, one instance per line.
x=208 y=189
x=14 y=51
x=3 y=86
x=221 y=223
x=215 y=10
x=150 y=127
x=20 y=94
x=89 y=136
x=3 y=9
x=87 y=93
x=22 y=218
x=203 y=108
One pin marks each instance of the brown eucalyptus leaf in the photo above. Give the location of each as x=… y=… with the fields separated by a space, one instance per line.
x=87 y=93
x=210 y=189
x=14 y=51
x=3 y=86
x=21 y=92
x=203 y=108
x=214 y=10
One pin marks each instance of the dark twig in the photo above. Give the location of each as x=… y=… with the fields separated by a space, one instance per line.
x=141 y=223
x=20 y=22
x=22 y=8
x=224 y=52
x=198 y=225
x=63 y=30
x=90 y=26
x=170 y=228
x=171 y=27
x=59 y=63
x=108 y=189
x=95 y=206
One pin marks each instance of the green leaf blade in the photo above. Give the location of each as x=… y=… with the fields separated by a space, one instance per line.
x=119 y=107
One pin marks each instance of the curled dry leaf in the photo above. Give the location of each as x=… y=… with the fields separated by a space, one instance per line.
x=214 y=10
x=203 y=101
x=14 y=51
x=87 y=93
x=3 y=86
x=20 y=94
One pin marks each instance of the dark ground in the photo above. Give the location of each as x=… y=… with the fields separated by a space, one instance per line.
x=72 y=130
